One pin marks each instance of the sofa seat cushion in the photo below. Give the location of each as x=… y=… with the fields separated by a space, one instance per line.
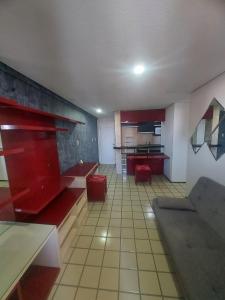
x=208 y=197
x=175 y=203
x=197 y=251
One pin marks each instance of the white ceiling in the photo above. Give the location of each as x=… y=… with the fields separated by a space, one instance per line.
x=84 y=50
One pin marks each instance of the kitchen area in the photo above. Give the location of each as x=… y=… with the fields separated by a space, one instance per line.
x=140 y=140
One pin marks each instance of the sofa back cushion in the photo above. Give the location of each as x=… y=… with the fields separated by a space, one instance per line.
x=208 y=197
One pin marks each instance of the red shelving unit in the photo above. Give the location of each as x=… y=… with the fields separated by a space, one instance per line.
x=36 y=283
x=55 y=212
x=41 y=194
x=31 y=133
x=37 y=193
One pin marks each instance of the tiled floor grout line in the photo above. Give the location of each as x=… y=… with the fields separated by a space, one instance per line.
x=118 y=293
x=101 y=264
x=61 y=275
x=84 y=269
x=136 y=255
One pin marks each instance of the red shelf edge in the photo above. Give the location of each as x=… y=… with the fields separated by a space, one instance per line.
x=31 y=127
x=7 y=152
x=7 y=101
x=11 y=103
x=9 y=198
x=82 y=170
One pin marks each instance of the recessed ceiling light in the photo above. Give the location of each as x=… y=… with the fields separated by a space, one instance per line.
x=98 y=110
x=139 y=69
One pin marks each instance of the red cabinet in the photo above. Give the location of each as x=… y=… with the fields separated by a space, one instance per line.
x=137 y=116
x=156 y=164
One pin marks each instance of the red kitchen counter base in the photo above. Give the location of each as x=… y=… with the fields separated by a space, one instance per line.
x=156 y=163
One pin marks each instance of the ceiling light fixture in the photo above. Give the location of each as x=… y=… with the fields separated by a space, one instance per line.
x=98 y=110
x=139 y=69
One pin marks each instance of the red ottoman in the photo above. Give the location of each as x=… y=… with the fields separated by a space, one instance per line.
x=142 y=173
x=96 y=188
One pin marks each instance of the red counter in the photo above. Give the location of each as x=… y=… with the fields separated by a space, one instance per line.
x=156 y=162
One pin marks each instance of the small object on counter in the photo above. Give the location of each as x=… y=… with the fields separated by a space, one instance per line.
x=81 y=162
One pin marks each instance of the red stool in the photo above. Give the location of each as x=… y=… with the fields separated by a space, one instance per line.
x=142 y=173
x=96 y=188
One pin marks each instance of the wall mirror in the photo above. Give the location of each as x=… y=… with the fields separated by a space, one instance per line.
x=216 y=140
x=203 y=129
x=206 y=126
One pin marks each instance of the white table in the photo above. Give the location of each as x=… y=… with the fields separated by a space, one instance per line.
x=22 y=245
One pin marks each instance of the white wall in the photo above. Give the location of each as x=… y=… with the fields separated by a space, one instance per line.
x=3 y=170
x=176 y=141
x=106 y=140
x=203 y=163
x=168 y=136
x=118 y=140
x=181 y=141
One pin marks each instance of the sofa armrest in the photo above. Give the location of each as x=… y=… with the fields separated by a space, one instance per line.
x=173 y=203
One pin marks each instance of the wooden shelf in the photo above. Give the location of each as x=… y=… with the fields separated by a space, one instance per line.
x=7 y=152
x=12 y=104
x=41 y=194
x=31 y=127
x=57 y=210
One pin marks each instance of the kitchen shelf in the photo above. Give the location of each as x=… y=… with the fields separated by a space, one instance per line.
x=7 y=152
x=152 y=146
x=41 y=194
x=31 y=127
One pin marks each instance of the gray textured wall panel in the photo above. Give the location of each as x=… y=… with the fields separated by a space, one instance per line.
x=16 y=86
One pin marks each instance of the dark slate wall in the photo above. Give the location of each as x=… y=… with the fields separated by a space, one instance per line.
x=17 y=86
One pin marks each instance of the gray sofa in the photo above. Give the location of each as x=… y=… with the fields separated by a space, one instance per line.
x=193 y=230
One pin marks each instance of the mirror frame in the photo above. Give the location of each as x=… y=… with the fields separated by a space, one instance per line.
x=207 y=139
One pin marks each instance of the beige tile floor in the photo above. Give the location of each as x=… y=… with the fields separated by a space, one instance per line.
x=117 y=254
